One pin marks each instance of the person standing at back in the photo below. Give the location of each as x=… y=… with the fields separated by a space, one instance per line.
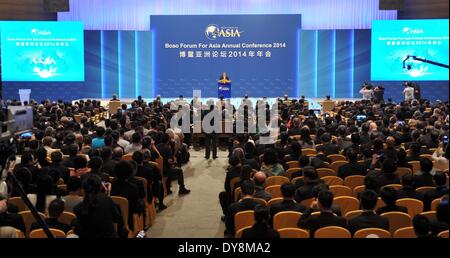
x=408 y=92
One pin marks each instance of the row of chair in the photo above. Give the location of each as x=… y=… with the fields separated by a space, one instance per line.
x=339 y=232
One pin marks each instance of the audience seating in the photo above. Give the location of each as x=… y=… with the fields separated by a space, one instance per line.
x=401 y=171
x=424 y=189
x=237 y=194
x=39 y=233
x=380 y=203
x=354 y=181
x=244 y=219
x=358 y=189
x=127 y=157
x=17 y=201
x=435 y=203
x=341 y=190
x=67 y=217
x=323 y=172
x=233 y=182
x=346 y=203
x=62 y=187
x=353 y=214
x=293 y=164
x=293 y=233
x=333 y=180
x=427 y=156
x=397 y=220
x=274 y=200
x=336 y=157
x=378 y=232
x=308 y=152
x=240 y=231
x=20 y=234
x=395 y=186
x=307 y=202
x=414 y=206
x=431 y=215
x=274 y=190
x=259 y=201
x=406 y=232
x=332 y=232
x=443 y=234
x=137 y=218
x=416 y=166
x=335 y=165
x=276 y=180
x=286 y=219
x=28 y=219
x=150 y=209
x=291 y=171
x=294 y=180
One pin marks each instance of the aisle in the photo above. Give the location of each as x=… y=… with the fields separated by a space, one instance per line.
x=198 y=213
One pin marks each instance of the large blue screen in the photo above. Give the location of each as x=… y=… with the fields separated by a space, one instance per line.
x=42 y=51
x=393 y=41
x=259 y=53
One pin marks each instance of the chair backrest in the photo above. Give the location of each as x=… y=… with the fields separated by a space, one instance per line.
x=277 y=180
x=427 y=156
x=424 y=189
x=260 y=201
x=274 y=190
x=240 y=231
x=333 y=180
x=416 y=165
x=233 y=182
x=17 y=201
x=67 y=217
x=335 y=165
x=28 y=219
x=128 y=157
x=352 y=214
x=346 y=203
x=144 y=183
x=332 y=232
x=39 y=233
x=406 y=232
x=244 y=219
x=20 y=234
x=354 y=181
x=274 y=200
x=341 y=190
x=435 y=203
x=443 y=234
x=323 y=172
x=286 y=219
x=414 y=206
x=401 y=171
x=62 y=187
x=431 y=215
x=380 y=203
x=123 y=205
x=367 y=232
x=358 y=189
x=307 y=202
x=308 y=152
x=296 y=179
x=336 y=157
x=397 y=220
x=293 y=164
x=395 y=186
x=291 y=171
x=293 y=233
x=237 y=194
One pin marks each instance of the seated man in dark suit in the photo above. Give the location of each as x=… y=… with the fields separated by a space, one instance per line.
x=352 y=168
x=305 y=186
x=424 y=177
x=315 y=192
x=9 y=219
x=408 y=190
x=368 y=219
x=422 y=227
x=389 y=195
x=288 y=203
x=261 y=228
x=441 y=223
x=55 y=209
x=325 y=218
x=247 y=203
x=327 y=146
x=441 y=189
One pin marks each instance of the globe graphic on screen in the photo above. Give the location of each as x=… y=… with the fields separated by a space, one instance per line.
x=212 y=31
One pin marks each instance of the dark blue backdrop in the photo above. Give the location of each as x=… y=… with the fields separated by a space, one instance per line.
x=330 y=62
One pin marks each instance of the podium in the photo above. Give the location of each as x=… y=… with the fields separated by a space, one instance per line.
x=24 y=95
x=224 y=89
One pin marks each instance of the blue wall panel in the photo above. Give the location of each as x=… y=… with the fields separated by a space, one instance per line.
x=325 y=64
x=343 y=63
x=307 y=63
x=110 y=64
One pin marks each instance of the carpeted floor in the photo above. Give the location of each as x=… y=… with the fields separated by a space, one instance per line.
x=197 y=214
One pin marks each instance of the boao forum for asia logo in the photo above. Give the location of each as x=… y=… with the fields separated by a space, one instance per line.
x=214 y=32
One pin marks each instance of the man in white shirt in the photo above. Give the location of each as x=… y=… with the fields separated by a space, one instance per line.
x=408 y=92
x=367 y=92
